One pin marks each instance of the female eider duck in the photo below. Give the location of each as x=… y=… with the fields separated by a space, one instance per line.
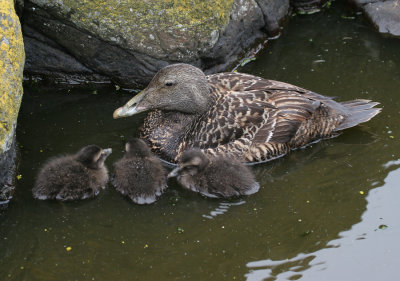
x=216 y=177
x=73 y=177
x=236 y=115
x=139 y=174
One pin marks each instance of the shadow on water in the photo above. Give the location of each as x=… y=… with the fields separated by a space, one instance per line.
x=307 y=200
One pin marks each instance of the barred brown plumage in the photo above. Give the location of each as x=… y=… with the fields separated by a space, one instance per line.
x=236 y=115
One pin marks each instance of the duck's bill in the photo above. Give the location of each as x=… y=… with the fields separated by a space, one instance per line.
x=132 y=107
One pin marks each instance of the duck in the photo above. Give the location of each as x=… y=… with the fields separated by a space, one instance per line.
x=73 y=177
x=139 y=174
x=236 y=115
x=214 y=176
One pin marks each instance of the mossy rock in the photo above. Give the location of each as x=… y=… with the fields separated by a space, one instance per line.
x=128 y=41
x=12 y=59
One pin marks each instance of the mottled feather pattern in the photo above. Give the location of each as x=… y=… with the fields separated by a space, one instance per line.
x=253 y=119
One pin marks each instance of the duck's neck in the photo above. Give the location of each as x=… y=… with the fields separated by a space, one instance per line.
x=165 y=130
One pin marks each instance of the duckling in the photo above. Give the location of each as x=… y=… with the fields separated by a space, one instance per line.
x=236 y=115
x=139 y=174
x=216 y=177
x=73 y=177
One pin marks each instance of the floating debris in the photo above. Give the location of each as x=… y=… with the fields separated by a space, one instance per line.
x=383 y=226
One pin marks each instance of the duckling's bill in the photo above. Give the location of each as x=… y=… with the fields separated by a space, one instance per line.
x=174 y=172
x=106 y=151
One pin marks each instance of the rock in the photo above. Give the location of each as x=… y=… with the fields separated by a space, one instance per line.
x=307 y=6
x=11 y=67
x=385 y=15
x=128 y=41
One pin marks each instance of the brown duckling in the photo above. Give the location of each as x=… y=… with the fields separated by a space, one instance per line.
x=236 y=115
x=214 y=176
x=139 y=174
x=73 y=177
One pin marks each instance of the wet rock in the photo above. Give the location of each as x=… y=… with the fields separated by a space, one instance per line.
x=128 y=41
x=11 y=67
x=385 y=15
x=307 y=6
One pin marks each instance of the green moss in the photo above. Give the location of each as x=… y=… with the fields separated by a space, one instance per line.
x=12 y=59
x=146 y=25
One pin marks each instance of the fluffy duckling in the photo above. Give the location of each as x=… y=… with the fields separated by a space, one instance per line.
x=217 y=177
x=139 y=174
x=73 y=177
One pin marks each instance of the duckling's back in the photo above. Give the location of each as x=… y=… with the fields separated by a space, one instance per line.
x=141 y=179
x=64 y=178
x=226 y=177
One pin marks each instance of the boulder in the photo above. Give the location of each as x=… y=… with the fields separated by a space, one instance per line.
x=128 y=41
x=384 y=14
x=11 y=68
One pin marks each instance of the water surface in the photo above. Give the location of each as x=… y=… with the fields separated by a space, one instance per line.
x=326 y=212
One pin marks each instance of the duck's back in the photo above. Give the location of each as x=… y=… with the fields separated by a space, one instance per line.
x=257 y=119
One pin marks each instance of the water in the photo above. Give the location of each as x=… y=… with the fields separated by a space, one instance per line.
x=327 y=212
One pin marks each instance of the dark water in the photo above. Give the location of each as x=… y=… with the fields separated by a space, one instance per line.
x=327 y=212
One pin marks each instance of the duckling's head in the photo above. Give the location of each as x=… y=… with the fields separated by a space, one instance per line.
x=191 y=163
x=177 y=87
x=92 y=156
x=137 y=147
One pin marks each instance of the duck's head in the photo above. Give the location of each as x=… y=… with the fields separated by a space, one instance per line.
x=92 y=156
x=191 y=163
x=177 y=87
x=137 y=147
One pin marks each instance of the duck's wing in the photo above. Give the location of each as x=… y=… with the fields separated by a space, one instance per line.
x=257 y=118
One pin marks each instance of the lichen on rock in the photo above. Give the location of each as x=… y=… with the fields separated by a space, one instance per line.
x=166 y=28
x=11 y=69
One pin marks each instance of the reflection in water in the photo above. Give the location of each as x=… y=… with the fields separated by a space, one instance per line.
x=284 y=270
x=363 y=252
x=223 y=208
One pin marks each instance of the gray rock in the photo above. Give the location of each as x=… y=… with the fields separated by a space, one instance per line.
x=128 y=42
x=385 y=15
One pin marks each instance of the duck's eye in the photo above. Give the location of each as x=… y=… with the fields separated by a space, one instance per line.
x=168 y=83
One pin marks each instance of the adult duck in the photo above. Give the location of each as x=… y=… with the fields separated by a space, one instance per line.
x=236 y=115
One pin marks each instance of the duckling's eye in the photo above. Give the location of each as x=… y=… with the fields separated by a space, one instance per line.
x=169 y=83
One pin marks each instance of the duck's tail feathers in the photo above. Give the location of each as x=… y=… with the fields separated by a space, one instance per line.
x=359 y=111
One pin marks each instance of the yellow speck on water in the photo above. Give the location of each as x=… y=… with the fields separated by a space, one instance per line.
x=41 y=150
x=45 y=230
x=68 y=249
x=19 y=177
x=308 y=201
x=22 y=268
x=122 y=242
x=254 y=209
x=361 y=192
x=146 y=246
x=392 y=137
